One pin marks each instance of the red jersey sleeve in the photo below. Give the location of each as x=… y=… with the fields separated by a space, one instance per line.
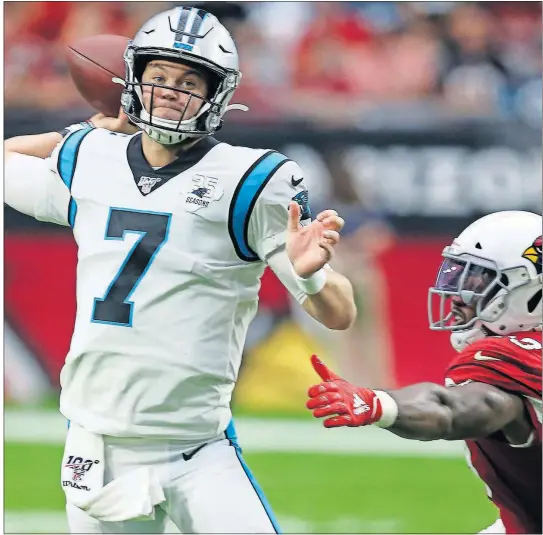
x=512 y=363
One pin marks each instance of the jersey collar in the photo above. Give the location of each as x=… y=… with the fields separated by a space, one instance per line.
x=148 y=179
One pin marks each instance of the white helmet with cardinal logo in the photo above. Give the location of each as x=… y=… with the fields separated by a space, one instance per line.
x=493 y=266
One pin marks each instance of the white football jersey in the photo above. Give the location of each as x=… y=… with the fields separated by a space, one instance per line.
x=168 y=275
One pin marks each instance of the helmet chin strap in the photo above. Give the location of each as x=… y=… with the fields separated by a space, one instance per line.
x=169 y=137
x=165 y=136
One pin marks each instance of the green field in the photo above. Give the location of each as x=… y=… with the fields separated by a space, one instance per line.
x=309 y=492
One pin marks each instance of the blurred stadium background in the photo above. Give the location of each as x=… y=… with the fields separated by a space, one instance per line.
x=410 y=118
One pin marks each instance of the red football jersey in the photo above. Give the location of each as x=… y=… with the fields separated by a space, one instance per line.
x=512 y=474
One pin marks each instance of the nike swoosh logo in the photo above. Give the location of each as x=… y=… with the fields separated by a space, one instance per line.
x=295 y=182
x=190 y=455
x=480 y=356
x=148 y=32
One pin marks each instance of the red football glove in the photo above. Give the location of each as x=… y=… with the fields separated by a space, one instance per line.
x=349 y=405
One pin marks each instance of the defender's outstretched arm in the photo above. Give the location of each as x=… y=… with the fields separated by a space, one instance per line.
x=425 y=411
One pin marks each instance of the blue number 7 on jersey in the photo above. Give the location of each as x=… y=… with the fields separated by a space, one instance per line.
x=115 y=308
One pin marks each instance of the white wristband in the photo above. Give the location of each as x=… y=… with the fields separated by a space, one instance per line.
x=313 y=284
x=389 y=408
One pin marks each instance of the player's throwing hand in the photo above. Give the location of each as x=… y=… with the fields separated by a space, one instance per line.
x=348 y=405
x=310 y=247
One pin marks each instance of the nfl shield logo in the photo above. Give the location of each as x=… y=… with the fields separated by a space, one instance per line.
x=147 y=183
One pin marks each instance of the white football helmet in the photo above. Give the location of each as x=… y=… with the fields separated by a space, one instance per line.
x=494 y=266
x=192 y=36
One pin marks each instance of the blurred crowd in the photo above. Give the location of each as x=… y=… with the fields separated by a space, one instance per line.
x=335 y=63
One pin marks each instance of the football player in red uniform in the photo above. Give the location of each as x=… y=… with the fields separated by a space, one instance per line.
x=488 y=296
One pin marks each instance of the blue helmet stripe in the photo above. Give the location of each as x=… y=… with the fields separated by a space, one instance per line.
x=190 y=22
x=182 y=23
x=197 y=24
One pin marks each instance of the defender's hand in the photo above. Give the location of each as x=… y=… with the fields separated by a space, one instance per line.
x=348 y=405
x=310 y=247
x=118 y=124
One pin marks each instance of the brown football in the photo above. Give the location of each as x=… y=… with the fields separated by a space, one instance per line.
x=93 y=62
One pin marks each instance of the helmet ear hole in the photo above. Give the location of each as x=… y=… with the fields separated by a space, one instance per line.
x=534 y=301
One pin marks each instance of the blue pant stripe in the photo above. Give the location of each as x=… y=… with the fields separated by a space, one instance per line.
x=231 y=435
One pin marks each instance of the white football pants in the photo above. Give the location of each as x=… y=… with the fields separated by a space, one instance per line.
x=497 y=527
x=212 y=492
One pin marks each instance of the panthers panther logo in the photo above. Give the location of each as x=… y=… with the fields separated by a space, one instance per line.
x=533 y=254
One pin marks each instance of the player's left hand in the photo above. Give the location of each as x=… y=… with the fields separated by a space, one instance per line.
x=347 y=405
x=310 y=247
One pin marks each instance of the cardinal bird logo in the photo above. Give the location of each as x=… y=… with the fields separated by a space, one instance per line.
x=533 y=254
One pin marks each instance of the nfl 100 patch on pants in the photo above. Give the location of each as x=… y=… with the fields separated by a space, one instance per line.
x=206 y=489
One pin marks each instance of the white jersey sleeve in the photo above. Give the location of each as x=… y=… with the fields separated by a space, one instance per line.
x=269 y=217
x=268 y=221
x=40 y=187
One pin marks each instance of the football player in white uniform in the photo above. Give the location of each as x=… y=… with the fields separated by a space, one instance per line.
x=174 y=230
